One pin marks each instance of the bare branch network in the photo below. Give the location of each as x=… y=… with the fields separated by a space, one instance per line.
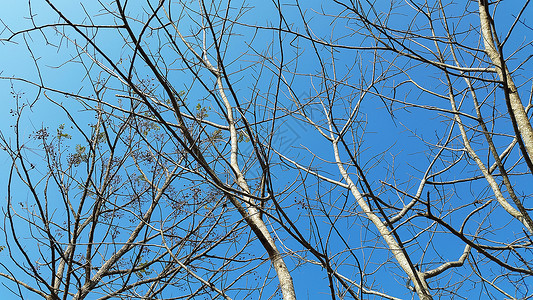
x=234 y=150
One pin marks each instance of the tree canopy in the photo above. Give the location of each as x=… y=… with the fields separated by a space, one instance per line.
x=239 y=150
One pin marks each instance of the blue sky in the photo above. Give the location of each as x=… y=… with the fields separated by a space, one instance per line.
x=391 y=149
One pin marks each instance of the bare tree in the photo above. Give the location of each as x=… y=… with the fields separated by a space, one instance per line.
x=352 y=149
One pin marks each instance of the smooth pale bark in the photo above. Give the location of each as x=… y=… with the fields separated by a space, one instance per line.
x=252 y=215
x=487 y=174
x=517 y=108
x=522 y=121
x=418 y=279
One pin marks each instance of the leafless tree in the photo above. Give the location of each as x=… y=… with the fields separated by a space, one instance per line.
x=353 y=149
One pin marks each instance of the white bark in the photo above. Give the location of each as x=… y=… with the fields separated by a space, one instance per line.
x=522 y=121
x=418 y=279
x=253 y=217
